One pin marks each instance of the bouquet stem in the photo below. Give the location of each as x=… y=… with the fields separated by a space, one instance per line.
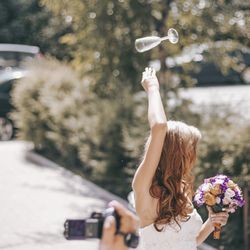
x=217 y=230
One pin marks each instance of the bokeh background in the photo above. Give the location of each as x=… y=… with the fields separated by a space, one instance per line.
x=77 y=96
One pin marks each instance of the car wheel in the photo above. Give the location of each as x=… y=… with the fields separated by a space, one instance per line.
x=6 y=129
x=245 y=75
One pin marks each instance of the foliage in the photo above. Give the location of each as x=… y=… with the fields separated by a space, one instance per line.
x=224 y=149
x=27 y=22
x=50 y=104
x=57 y=112
x=225 y=146
x=104 y=32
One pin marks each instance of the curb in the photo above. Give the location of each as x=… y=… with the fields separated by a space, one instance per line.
x=101 y=193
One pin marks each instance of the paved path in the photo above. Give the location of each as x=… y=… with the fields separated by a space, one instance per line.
x=35 y=200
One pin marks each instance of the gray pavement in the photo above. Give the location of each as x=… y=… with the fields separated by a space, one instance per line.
x=36 y=196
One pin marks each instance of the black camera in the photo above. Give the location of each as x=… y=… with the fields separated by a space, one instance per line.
x=92 y=228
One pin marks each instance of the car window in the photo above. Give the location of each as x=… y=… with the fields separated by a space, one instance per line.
x=14 y=59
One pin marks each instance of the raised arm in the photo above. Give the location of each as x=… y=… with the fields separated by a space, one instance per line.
x=158 y=129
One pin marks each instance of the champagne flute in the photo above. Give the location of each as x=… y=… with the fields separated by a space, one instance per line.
x=146 y=43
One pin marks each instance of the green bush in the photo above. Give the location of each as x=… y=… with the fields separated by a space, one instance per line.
x=224 y=149
x=71 y=125
x=51 y=108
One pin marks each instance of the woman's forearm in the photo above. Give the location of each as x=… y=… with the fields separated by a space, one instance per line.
x=156 y=113
x=206 y=229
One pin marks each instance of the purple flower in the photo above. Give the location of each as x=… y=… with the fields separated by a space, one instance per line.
x=199 y=198
x=212 y=180
x=230 y=196
x=206 y=180
x=223 y=187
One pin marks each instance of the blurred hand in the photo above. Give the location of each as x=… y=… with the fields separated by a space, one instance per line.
x=220 y=218
x=149 y=79
x=129 y=223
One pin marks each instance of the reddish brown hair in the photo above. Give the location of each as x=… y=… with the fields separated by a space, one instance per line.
x=172 y=183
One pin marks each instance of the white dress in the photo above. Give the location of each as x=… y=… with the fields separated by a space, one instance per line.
x=172 y=237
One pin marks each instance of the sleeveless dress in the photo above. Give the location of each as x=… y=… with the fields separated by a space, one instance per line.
x=172 y=237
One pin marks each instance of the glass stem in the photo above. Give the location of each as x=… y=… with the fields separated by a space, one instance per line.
x=164 y=38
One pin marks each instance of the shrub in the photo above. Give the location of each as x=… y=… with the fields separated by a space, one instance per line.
x=224 y=149
x=69 y=124
x=52 y=111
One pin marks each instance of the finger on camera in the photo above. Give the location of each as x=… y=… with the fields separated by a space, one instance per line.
x=120 y=209
x=127 y=225
x=128 y=220
x=108 y=231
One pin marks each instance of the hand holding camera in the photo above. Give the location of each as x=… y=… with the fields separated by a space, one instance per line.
x=116 y=227
x=126 y=236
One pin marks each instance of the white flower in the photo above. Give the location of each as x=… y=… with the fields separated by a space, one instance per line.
x=229 y=193
x=206 y=187
x=219 y=181
x=218 y=200
x=221 y=176
x=197 y=196
x=237 y=189
x=199 y=199
x=227 y=200
x=231 y=210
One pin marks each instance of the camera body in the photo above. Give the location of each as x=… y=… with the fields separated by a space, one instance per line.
x=92 y=228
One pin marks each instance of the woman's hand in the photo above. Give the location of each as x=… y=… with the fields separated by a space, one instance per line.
x=149 y=79
x=220 y=218
x=208 y=227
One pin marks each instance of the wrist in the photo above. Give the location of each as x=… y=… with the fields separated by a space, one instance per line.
x=153 y=88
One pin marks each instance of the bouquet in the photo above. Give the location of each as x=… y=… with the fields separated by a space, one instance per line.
x=220 y=193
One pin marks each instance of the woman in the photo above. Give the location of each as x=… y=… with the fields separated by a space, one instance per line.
x=162 y=183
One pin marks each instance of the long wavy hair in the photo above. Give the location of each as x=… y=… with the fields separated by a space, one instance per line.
x=172 y=183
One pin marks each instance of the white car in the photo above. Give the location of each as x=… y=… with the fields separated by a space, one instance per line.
x=11 y=69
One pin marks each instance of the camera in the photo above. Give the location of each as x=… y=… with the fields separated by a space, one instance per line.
x=92 y=228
